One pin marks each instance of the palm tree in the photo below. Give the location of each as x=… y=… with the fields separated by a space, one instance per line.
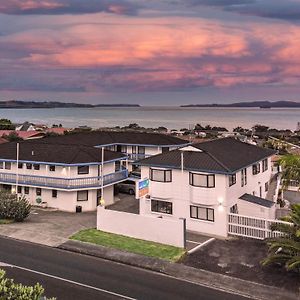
x=285 y=250
x=291 y=169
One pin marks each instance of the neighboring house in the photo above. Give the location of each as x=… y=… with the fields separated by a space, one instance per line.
x=26 y=126
x=25 y=135
x=60 y=176
x=205 y=182
x=135 y=145
x=57 y=130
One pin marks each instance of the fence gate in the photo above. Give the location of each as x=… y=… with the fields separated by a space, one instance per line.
x=255 y=228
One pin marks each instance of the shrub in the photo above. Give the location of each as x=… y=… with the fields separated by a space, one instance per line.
x=16 y=291
x=13 y=207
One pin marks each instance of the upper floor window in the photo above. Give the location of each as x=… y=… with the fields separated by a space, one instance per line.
x=38 y=191
x=26 y=190
x=161 y=175
x=256 y=168
x=20 y=166
x=54 y=193
x=83 y=170
x=202 y=180
x=1 y=165
x=52 y=168
x=141 y=149
x=266 y=186
x=265 y=165
x=36 y=167
x=8 y=165
x=232 y=179
x=123 y=148
x=165 y=149
x=164 y=207
x=244 y=177
x=29 y=166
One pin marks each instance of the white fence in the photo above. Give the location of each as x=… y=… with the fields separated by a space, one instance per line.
x=155 y=229
x=256 y=228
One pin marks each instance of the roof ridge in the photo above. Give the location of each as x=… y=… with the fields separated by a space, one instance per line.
x=219 y=162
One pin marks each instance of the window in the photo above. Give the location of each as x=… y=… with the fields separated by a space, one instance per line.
x=7 y=165
x=161 y=175
x=256 y=168
x=265 y=165
x=266 y=186
x=234 y=209
x=164 y=207
x=52 y=168
x=232 y=179
x=123 y=148
x=1 y=165
x=26 y=190
x=83 y=170
x=19 y=189
x=244 y=177
x=29 y=166
x=165 y=149
x=36 y=167
x=141 y=150
x=54 y=193
x=202 y=180
x=20 y=166
x=38 y=191
x=82 y=195
x=133 y=148
x=202 y=213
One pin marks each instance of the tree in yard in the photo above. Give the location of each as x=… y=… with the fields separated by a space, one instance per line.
x=6 y=124
x=291 y=169
x=285 y=250
x=12 y=137
x=9 y=290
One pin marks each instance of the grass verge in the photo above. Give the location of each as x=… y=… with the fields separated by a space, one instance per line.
x=6 y=221
x=129 y=244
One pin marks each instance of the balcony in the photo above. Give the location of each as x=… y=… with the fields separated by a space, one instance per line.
x=63 y=183
x=135 y=156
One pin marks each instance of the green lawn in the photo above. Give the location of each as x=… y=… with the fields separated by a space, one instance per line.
x=129 y=244
x=6 y=221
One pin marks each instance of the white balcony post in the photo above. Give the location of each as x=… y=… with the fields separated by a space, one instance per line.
x=102 y=171
x=17 y=171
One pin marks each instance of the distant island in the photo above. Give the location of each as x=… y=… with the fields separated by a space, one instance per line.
x=56 y=104
x=260 y=104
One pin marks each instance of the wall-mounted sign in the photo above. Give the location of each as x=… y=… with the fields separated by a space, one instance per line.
x=143 y=187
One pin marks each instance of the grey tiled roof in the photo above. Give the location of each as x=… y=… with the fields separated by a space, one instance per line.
x=226 y=155
x=257 y=200
x=55 y=153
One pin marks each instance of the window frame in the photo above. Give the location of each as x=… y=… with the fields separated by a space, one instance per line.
x=36 y=167
x=161 y=170
x=191 y=180
x=38 y=191
x=244 y=177
x=54 y=193
x=87 y=196
x=83 y=172
x=265 y=165
x=28 y=166
x=230 y=177
x=167 y=210
x=207 y=209
x=52 y=168
x=256 y=168
x=7 y=165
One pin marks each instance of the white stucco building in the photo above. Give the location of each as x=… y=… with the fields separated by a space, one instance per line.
x=66 y=172
x=205 y=182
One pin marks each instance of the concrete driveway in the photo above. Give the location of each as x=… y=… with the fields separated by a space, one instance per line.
x=50 y=228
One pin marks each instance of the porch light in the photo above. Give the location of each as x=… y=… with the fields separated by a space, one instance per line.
x=220 y=201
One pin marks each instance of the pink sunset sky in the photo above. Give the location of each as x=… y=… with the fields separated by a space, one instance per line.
x=150 y=52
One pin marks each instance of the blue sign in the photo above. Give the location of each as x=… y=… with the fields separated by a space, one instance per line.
x=143 y=184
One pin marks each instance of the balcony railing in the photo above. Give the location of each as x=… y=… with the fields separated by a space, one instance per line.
x=63 y=183
x=136 y=156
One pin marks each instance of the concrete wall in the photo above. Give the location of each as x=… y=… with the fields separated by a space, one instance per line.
x=160 y=230
x=253 y=210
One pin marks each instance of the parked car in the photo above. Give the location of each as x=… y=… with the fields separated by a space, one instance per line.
x=127 y=187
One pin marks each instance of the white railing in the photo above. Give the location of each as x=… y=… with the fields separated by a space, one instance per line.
x=63 y=183
x=255 y=228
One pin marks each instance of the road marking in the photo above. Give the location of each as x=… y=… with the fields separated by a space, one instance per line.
x=200 y=246
x=69 y=281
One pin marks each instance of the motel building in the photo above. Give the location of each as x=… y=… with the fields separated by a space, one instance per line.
x=204 y=183
x=72 y=172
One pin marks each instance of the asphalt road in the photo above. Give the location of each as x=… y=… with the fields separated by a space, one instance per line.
x=68 y=275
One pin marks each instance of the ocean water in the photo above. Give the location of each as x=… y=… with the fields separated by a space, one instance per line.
x=170 y=117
